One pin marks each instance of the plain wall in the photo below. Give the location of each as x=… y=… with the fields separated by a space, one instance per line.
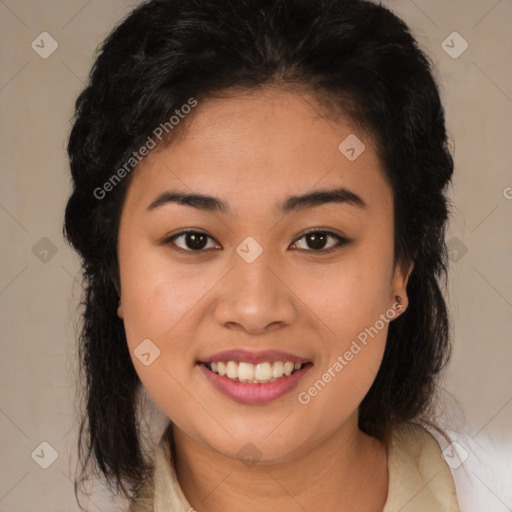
x=38 y=298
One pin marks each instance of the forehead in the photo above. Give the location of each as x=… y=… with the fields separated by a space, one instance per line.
x=258 y=148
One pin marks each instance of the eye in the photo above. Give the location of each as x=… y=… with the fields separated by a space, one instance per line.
x=317 y=239
x=194 y=240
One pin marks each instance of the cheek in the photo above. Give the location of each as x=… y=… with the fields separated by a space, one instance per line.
x=155 y=294
x=346 y=298
x=157 y=302
x=339 y=384
x=351 y=310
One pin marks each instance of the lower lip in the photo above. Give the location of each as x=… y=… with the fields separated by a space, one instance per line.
x=247 y=393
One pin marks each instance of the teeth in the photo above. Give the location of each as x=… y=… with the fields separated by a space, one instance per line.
x=277 y=369
x=288 y=368
x=245 y=372
x=231 y=370
x=259 y=373
x=263 y=372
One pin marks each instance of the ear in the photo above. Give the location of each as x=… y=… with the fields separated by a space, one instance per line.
x=399 y=283
x=120 y=310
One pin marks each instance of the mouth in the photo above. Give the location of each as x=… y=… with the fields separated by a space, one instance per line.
x=261 y=373
x=251 y=384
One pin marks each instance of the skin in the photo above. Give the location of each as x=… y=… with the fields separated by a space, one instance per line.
x=253 y=150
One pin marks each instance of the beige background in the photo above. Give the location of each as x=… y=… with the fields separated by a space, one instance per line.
x=38 y=299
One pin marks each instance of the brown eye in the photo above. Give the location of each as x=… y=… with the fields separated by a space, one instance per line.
x=316 y=241
x=192 y=240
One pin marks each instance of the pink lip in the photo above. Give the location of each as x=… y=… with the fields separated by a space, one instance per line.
x=247 y=393
x=246 y=356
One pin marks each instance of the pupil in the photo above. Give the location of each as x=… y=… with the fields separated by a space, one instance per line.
x=198 y=240
x=318 y=240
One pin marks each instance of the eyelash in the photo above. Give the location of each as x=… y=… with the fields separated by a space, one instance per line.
x=342 y=241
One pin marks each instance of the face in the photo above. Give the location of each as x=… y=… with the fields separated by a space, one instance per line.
x=313 y=279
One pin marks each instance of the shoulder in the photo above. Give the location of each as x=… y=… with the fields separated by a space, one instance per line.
x=162 y=492
x=481 y=467
x=419 y=477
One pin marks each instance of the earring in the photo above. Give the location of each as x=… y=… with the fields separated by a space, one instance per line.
x=398 y=306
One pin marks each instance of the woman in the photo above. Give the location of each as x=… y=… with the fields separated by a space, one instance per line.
x=259 y=204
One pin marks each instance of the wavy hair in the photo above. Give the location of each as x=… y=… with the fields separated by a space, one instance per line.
x=356 y=56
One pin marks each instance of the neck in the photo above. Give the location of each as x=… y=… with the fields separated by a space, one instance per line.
x=346 y=471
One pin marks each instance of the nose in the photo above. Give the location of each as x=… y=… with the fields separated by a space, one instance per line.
x=254 y=297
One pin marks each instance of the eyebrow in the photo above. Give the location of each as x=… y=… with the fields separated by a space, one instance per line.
x=292 y=204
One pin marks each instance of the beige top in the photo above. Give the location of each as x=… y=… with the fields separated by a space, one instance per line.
x=419 y=478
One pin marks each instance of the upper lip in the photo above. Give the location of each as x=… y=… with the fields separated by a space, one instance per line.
x=248 y=356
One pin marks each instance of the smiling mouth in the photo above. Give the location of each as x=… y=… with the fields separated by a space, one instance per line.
x=260 y=373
